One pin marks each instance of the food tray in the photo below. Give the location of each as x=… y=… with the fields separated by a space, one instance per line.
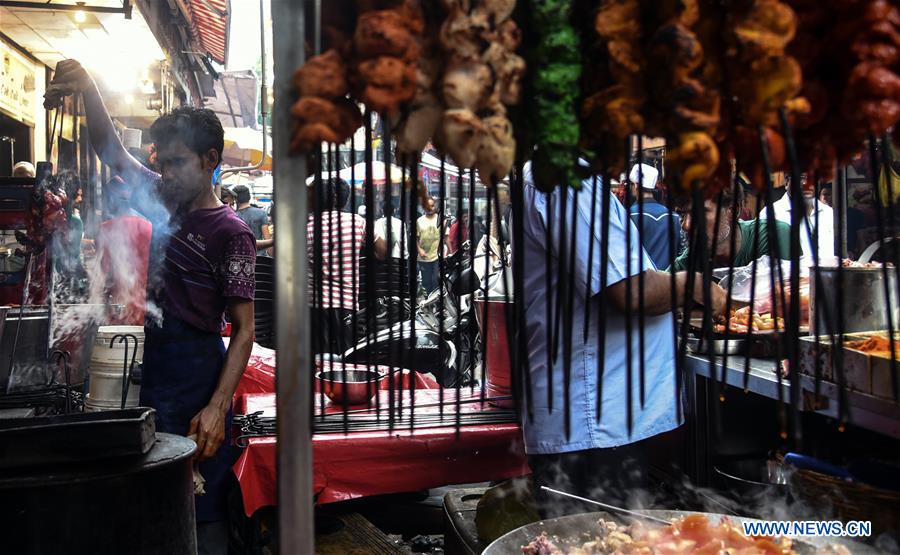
x=864 y=372
x=736 y=346
x=76 y=437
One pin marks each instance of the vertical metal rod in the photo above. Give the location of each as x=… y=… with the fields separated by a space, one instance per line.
x=799 y=221
x=840 y=194
x=590 y=261
x=837 y=338
x=735 y=184
x=369 y=193
x=393 y=403
x=774 y=270
x=472 y=249
x=887 y=161
x=884 y=204
x=293 y=382
x=642 y=365
x=562 y=248
x=629 y=348
x=485 y=312
x=569 y=314
x=411 y=234
x=517 y=196
x=548 y=272
x=601 y=295
x=673 y=300
x=469 y=357
x=321 y=337
x=442 y=368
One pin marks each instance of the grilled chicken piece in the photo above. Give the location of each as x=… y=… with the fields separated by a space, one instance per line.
x=387 y=83
x=415 y=129
x=467 y=85
x=509 y=70
x=323 y=120
x=618 y=20
x=771 y=82
x=676 y=48
x=383 y=33
x=497 y=149
x=695 y=158
x=322 y=75
x=459 y=135
x=766 y=29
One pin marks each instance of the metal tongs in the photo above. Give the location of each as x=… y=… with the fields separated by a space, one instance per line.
x=612 y=508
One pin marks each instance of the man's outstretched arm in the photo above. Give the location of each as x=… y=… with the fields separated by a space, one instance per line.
x=71 y=78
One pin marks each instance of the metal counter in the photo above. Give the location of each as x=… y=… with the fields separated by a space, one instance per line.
x=865 y=411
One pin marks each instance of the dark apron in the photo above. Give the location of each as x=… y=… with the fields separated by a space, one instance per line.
x=182 y=365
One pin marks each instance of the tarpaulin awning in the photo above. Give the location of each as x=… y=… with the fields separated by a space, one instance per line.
x=244 y=146
x=209 y=25
x=236 y=100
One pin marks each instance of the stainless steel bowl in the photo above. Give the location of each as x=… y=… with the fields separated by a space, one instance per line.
x=355 y=387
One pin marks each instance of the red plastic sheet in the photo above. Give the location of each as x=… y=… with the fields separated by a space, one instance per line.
x=361 y=464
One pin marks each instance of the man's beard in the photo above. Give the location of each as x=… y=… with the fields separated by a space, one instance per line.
x=720 y=240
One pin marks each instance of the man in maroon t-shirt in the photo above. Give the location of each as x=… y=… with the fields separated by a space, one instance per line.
x=458 y=232
x=208 y=267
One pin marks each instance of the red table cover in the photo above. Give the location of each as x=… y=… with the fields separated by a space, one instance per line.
x=367 y=463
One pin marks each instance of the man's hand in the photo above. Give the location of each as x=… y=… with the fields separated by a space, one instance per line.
x=70 y=78
x=209 y=428
x=719 y=299
x=717 y=295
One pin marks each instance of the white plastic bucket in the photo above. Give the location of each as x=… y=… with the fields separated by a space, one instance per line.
x=106 y=368
x=104 y=354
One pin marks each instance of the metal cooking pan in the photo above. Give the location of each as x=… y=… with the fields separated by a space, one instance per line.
x=571 y=531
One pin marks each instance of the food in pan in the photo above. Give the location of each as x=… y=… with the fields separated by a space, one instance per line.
x=740 y=322
x=876 y=345
x=690 y=534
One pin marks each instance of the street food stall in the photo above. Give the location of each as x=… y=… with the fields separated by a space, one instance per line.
x=429 y=339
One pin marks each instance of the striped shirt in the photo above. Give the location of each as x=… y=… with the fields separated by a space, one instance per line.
x=209 y=259
x=342 y=238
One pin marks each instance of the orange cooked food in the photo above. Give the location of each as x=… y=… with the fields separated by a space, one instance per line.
x=740 y=322
x=877 y=345
x=693 y=534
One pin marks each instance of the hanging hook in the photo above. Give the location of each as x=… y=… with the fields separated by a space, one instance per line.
x=126 y=367
x=66 y=357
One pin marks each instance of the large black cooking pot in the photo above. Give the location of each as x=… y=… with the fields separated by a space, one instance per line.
x=135 y=505
x=572 y=531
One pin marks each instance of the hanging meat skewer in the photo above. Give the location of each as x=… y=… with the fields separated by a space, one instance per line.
x=482 y=75
x=615 y=111
x=850 y=55
x=552 y=110
x=385 y=54
x=323 y=112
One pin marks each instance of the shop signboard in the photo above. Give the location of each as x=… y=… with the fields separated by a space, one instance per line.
x=17 y=85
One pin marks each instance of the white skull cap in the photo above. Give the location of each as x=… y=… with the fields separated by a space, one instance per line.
x=648 y=175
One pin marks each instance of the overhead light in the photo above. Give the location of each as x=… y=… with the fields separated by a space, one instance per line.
x=80 y=16
x=129 y=99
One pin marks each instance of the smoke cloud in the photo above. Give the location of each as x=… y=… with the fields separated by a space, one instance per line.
x=78 y=310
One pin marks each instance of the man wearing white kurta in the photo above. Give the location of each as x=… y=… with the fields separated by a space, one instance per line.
x=817 y=213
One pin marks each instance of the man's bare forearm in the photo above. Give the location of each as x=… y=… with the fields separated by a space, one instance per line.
x=101 y=130
x=657 y=292
x=236 y=357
